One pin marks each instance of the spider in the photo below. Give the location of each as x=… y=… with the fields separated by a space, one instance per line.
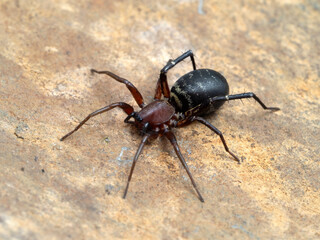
x=193 y=95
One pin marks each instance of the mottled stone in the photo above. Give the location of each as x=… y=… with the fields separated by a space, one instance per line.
x=73 y=189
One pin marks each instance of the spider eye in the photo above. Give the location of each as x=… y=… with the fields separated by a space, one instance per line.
x=137 y=117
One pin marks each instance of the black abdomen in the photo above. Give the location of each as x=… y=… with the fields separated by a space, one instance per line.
x=197 y=87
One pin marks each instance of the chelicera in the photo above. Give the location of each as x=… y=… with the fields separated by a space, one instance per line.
x=193 y=95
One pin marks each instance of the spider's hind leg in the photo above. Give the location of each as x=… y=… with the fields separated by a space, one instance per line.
x=162 y=84
x=217 y=131
x=244 y=95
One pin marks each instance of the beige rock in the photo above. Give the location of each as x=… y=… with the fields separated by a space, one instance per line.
x=73 y=189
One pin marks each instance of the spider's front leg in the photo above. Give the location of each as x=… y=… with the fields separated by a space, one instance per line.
x=162 y=84
x=134 y=91
x=135 y=159
x=125 y=107
x=176 y=148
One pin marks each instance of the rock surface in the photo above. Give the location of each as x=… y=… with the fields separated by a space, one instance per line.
x=73 y=189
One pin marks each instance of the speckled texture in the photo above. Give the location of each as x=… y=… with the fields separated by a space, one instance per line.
x=73 y=189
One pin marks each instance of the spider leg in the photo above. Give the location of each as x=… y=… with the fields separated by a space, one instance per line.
x=174 y=143
x=162 y=84
x=197 y=109
x=134 y=91
x=245 y=95
x=213 y=128
x=125 y=107
x=144 y=140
